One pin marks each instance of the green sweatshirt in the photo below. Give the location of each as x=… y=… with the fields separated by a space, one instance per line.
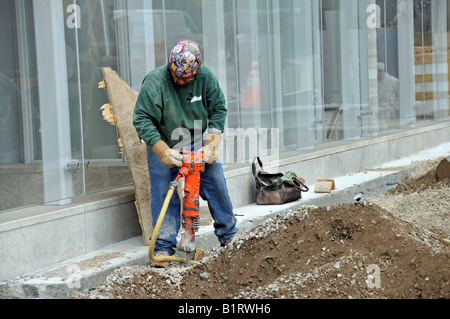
x=163 y=106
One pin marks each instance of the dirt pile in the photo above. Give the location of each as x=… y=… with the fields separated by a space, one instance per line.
x=392 y=246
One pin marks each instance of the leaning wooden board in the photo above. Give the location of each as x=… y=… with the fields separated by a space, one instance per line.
x=119 y=112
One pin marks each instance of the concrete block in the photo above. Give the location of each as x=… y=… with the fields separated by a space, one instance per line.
x=111 y=224
x=42 y=244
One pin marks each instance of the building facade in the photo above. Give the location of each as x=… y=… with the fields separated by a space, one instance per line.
x=298 y=75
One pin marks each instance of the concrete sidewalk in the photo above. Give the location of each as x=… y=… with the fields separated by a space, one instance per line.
x=89 y=271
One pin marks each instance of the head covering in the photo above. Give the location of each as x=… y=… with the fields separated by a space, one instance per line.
x=185 y=58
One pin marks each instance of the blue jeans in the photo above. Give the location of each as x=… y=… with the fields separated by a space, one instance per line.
x=213 y=189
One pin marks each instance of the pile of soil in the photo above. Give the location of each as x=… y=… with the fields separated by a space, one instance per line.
x=393 y=246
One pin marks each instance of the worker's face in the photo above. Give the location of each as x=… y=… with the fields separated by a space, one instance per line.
x=182 y=81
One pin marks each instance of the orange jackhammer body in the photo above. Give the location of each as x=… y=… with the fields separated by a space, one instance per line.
x=193 y=165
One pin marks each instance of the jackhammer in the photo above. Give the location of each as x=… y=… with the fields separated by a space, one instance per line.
x=193 y=165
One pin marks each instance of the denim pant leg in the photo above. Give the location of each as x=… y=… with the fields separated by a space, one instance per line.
x=160 y=178
x=213 y=189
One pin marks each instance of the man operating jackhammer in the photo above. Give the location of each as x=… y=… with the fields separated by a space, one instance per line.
x=175 y=99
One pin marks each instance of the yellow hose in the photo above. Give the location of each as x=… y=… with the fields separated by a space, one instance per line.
x=162 y=214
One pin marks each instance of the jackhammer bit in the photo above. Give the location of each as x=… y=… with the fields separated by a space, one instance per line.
x=187 y=242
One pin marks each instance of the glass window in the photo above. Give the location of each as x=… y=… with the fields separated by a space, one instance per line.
x=20 y=124
x=11 y=141
x=387 y=65
x=91 y=47
x=250 y=115
x=439 y=60
x=295 y=109
x=341 y=69
x=294 y=74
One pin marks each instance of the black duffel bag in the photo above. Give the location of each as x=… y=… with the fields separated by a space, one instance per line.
x=276 y=188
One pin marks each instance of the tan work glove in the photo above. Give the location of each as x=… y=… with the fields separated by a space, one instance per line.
x=167 y=155
x=211 y=148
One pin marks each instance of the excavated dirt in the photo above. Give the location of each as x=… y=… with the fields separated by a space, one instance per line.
x=393 y=246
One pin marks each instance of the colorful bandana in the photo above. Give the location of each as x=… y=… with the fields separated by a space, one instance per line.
x=185 y=59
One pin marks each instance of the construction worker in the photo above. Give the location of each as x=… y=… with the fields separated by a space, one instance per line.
x=183 y=98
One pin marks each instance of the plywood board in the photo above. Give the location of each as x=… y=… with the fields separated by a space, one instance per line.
x=119 y=112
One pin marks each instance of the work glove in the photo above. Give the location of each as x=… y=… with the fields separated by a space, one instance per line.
x=168 y=156
x=210 y=154
x=211 y=147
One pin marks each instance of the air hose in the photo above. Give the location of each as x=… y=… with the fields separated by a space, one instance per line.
x=173 y=186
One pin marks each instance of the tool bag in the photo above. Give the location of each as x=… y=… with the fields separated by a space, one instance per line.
x=277 y=188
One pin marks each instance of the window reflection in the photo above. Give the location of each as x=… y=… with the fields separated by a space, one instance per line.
x=309 y=68
x=388 y=98
x=10 y=105
x=96 y=48
x=10 y=122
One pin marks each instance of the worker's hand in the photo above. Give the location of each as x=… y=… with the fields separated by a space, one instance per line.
x=168 y=156
x=210 y=154
x=211 y=148
x=212 y=140
x=172 y=158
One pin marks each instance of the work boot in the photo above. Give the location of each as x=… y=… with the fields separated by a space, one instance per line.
x=160 y=264
x=232 y=239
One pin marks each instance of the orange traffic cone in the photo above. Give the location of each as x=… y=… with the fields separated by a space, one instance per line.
x=253 y=95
